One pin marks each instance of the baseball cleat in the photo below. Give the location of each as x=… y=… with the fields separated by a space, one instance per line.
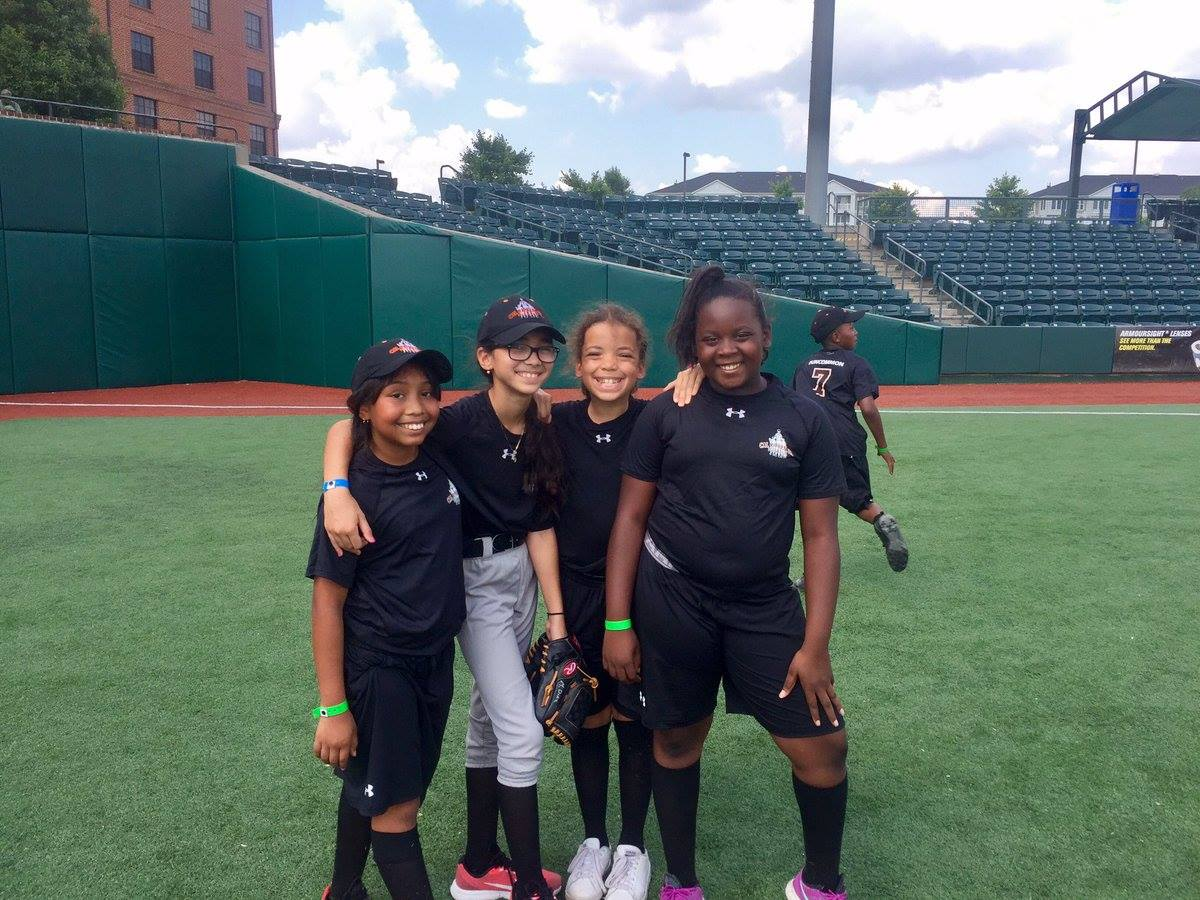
x=893 y=541
x=798 y=889
x=585 y=874
x=630 y=875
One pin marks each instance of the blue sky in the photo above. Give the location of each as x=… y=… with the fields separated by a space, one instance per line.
x=939 y=95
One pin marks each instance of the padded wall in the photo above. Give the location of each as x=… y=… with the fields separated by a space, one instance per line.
x=202 y=309
x=133 y=337
x=481 y=272
x=410 y=291
x=1021 y=350
x=50 y=310
x=301 y=311
x=6 y=363
x=258 y=310
x=656 y=297
x=196 y=191
x=41 y=168
x=123 y=187
x=346 y=289
x=565 y=287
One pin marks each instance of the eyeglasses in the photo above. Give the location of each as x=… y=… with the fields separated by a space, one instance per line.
x=522 y=352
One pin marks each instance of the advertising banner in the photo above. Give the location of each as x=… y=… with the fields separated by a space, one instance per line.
x=1157 y=349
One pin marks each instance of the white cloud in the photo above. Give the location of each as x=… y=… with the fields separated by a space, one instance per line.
x=611 y=100
x=503 y=109
x=703 y=163
x=781 y=168
x=923 y=190
x=1044 y=151
x=337 y=104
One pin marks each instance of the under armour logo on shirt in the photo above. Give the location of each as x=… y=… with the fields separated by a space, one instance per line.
x=421 y=476
x=369 y=790
x=731 y=412
x=604 y=439
x=508 y=454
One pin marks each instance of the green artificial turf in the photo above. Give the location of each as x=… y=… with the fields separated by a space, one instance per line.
x=1023 y=701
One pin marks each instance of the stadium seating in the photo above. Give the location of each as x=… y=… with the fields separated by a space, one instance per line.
x=764 y=239
x=1061 y=273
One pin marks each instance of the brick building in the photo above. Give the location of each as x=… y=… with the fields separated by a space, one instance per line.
x=209 y=62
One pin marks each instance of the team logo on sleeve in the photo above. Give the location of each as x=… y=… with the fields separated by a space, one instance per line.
x=776 y=446
x=452 y=497
x=731 y=412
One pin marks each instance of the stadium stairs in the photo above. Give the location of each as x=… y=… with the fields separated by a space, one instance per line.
x=1056 y=274
x=765 y=239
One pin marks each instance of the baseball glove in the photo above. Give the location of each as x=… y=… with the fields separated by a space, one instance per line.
x=563 y=693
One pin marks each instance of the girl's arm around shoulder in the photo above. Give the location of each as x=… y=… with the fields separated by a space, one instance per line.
x=347 y=527
x=337 y=736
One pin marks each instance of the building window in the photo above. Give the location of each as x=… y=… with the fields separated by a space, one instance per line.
x=254 y=85
x=143 y=52
x=1056 y=205
x=258 y=140
x=144 y=112
x=206 y=124
x=253 y=31
x=141 y=4
x=202 y=14
x=202 y=66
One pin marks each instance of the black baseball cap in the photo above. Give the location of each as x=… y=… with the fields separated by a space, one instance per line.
x=387 y=357
x=510 y=319
x=830 y=318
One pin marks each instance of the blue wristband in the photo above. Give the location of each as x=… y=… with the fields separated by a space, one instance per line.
x=334 y=483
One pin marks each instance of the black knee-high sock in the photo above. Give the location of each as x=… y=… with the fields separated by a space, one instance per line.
x=676 y=798
x=483 y=808
x=519 y=810
x=823 y=815
x=350 y=852
x=398 y=856
x=589 y=763
x=635 y=743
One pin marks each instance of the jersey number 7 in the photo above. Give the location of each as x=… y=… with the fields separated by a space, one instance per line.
x=819 y=377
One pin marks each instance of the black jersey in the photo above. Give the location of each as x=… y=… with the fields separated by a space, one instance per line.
x=485 y=461
x=730 y=471
x=406 y=589
x=838 y=379
x=592 y=455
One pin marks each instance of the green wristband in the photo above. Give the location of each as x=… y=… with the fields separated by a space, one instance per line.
x=882 y=450
x=619 y=625
x=324 y=712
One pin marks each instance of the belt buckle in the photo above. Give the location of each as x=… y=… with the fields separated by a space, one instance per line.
x=489 y=545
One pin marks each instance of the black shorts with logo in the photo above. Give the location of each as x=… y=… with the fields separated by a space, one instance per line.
x=858 y=484
x=692 y=636
x=583 y=602
x=400 y=704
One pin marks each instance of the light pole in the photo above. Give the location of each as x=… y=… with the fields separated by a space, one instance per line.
x=686 y=157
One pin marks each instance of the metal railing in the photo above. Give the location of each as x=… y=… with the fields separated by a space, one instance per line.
x=55 y=108
x=971 y=210
x=965 y=297
x=1142 y=84
x=959 y=294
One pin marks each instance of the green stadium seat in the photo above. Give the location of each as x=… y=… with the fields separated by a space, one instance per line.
x=1146 y=312
x=891 y=310
x=861 y=307
x=1010 y=314
x=1172 y=312
x=835 y=296
x=1065 y=312
x=1118 y=312
x=918 y=312
x=1093 y=313
x=1039 y=312
x=865 y=297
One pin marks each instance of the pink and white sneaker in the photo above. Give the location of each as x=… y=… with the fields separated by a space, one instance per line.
x=672 y=891
x=798 y=889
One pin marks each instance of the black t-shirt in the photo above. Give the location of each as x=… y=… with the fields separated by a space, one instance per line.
x=838 y=379
x=406 y=589
x=592 y=456
x=730 y=472
x=485 y=462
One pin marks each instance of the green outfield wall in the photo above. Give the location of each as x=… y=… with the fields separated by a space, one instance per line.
x=131 y=259
x=1013 y=350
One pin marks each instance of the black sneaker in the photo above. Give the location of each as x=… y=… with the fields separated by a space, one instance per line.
x=893 y=542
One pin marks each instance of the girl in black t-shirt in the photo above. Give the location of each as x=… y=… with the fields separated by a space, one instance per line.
x=609 y=346
x=508 y=467
x=383 y=623
x=698 y=559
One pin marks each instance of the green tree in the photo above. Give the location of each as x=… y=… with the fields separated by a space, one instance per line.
x=596 y=187
x=1192 y=193
x=618 y=184
x=54 y=50
x=892 y=204
x=493 y=159
x=1004 y=201
x=783 y=189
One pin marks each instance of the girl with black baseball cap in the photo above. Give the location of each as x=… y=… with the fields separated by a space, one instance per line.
x=509 y=469
x=383 y=622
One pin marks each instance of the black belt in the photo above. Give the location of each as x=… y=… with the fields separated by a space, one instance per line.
x=491 y=544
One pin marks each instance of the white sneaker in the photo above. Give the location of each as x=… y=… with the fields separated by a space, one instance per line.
x=585 y=879
x=630 y=875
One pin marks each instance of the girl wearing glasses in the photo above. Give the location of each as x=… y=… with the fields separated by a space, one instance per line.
x=510 y=470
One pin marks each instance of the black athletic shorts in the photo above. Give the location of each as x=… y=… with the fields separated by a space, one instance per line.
x=400 y=704
x=693 y=636
x=583 y=602
x=858 y=484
